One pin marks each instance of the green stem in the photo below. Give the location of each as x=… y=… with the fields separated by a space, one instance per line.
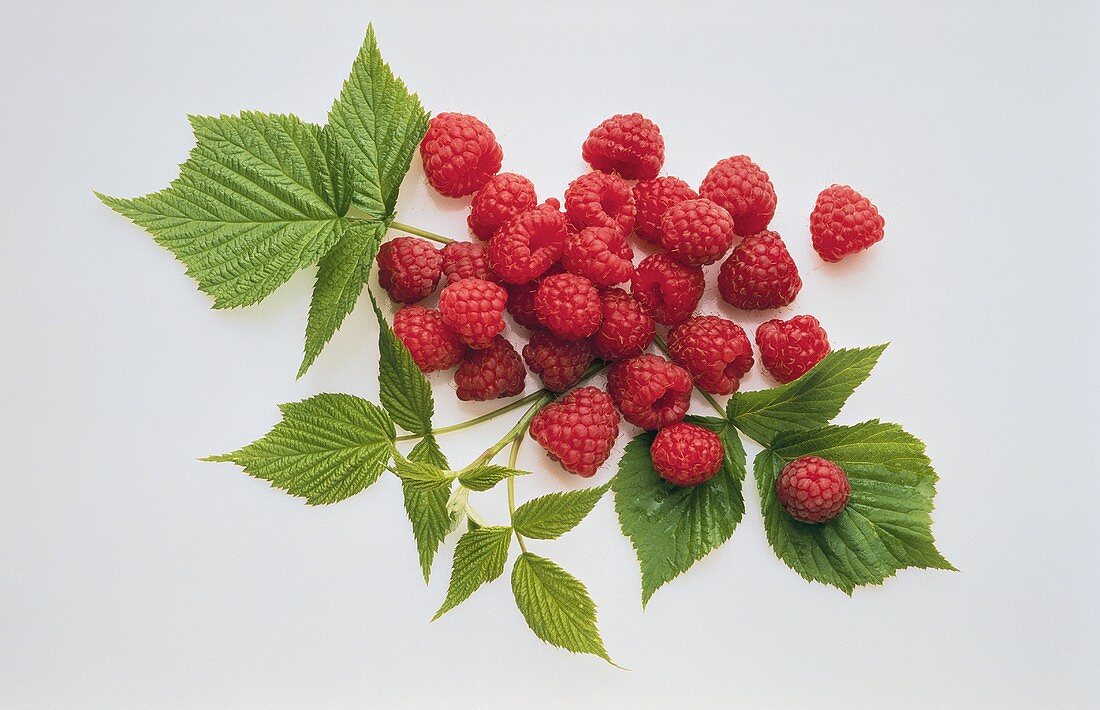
x=512 y=457
x=511 y=406
x=663 y=347
x=517 y=431
x=421 y=232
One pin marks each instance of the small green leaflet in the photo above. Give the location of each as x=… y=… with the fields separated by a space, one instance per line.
x=479 y=558
x=426 y=491
x=405 y=392
x=325 y=449
x=551 y=516
x=886 y=525
x=427 y=451
x=483 y=478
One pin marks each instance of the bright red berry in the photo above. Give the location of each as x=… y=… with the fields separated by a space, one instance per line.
x=600 y=254
x=715 y=352
x=464 y=260
x=460 y=154
x=491 y=372
x=579 y=430
x=789 y=349
x=812 y=489
x=697 y=232
x=569 y=306
x=667 y=289
x=844 y=222
x=558 y=363
x=409 y=268
x=739 y=185
x=600 y=200
x=431 y=345
x=687 y=454
x=626 y=329
x=759 y=274
x=628 y=144
x=652 y=198
x=473 y=309
x=501 y=199
x=521 y=300
x=650 y=391
x=527 y=245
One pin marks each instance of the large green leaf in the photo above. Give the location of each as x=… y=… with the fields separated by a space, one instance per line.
x=550 y=516
x=426 y=493
x=479 y=558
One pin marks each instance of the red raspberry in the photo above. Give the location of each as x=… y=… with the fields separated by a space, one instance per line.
x=473 y=309
x=759 y=274
x=492 y=372
x=650 y=391
x=668 y=290
x=502 y=198
x=789 y=349
x=652 y=198
x=600 y=200
x=521 y=300
x=409 y=268
x=431 y=345
x=579 y=430
x=844 y=222
x=697 y=232
x=739 y=185
x=527 y=245
x=569 y=306
x=628 y=144
x=812 y=489
x=464 y=260
x=558 y=363
x=460 y=154
x=687 y=454
x=715 y=352
x=600 y=254
x=626 y=330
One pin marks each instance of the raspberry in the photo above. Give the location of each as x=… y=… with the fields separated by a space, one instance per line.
x=697 y=232
x=527 y=245
x=492 y=372
x=715 y=352
x=668 y=290
x=579 y=430
x=521 y=300
x=600 y=200
x=600 y=254
x=502 y=198
x=739 y=185
x=626 y=329
x=431 y=345
x=759 y=274
x=558 y=363
x=409 y=268
x=687 y=454
x=628 y=144
x=652 y=198
x=569 y=306
x=789 y=349
x=844 y=222
x=473 y=310
x=650 y=391
x=464 y=260
x=460 y=154
x=812 y=489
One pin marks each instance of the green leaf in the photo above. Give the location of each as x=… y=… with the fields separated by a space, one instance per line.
x=807 y=403
x=551 y=516
x=886 y=525
x=483 y=478
x=405 y=392
x=672 y=527
x=427 y=451
x=260 y=197
x=419 y=472
x=426 y=492
x=325 y=449
x=479 y=558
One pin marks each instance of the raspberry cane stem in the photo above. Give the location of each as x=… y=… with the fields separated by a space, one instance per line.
x=663 y=347
x=420 y=232
x=513 y=455
x=511 y=406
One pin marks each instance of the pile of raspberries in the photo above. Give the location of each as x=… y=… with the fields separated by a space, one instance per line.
x=564 y=270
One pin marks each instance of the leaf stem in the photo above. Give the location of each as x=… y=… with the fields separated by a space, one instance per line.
x=512 y=456
x=511 y=406
x=420 y=232
x=663 y=347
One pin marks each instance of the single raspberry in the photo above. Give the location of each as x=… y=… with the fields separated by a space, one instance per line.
x=569 y=306
x=697 y=232
x=431 y=345
x=473 y=309
x=650 y=391
x=652 y=198
x=527 y=245
x=579 y=430
x=521 y=300
x=759 y=274
x=812 y=489
x=558 y=363
x=739 y=185
x=844 y=222
x=600 y=200
x=600 y=254
x=628 y=144
x=460 y=154
x=502 y=198
x=687 y=454
x=789 y=349
x=715 y=352
x=492 y=372
x=464 y=260
x=668 y=290
x=626 y=330
x=409 y=268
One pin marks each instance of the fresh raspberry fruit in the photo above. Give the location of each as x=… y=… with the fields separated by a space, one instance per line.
x=492 y=372
x=667 y=289
x=502 y=198
x=687 y=454
x=626 y=330
x=409 y=268
x=558 y=363
x=431 y=345
x=473 y=309
x=812 y=489
x=652 y=198
x=569 y=306
x=600 y=254
x=715 y=352
x=465 y=260
x=789 y=349
x=527 y=245
x=600 y=200
x=739 y=185
x=844 y=222
x=759 y=274
x=650 y=391
x=697 y=232
x=460 y=154
x=628 y=144
x=521 y=300
x=579 y=430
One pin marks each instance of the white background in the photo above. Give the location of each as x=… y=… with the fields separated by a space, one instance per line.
x=131 y=575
